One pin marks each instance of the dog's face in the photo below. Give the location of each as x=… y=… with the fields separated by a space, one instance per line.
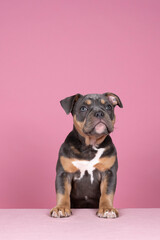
x=93 y=114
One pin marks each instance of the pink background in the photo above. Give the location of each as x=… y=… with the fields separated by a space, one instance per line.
x=53 y=49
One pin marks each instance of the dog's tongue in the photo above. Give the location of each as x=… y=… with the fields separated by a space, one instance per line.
x=100 y=127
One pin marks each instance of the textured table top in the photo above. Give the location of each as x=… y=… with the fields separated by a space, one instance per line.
x=83 y=224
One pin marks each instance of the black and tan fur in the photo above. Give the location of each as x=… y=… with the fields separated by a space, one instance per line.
x=82 y=143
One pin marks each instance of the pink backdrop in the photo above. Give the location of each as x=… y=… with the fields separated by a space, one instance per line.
x=53 y=49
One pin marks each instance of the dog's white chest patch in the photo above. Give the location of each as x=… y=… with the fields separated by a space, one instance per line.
x=84 y=165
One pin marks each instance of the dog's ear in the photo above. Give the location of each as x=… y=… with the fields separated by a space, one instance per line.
x=114 y=99
x=68 y=103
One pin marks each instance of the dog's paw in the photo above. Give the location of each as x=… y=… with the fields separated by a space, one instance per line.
x=107 y=213
x=59 y=212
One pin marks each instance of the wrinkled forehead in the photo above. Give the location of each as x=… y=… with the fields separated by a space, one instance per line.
x=91 y=99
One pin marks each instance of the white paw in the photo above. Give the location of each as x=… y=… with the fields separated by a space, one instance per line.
x=110 y=214
x=59 y=212
x=107 y=213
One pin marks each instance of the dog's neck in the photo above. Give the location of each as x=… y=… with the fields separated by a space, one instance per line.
x=93 y=141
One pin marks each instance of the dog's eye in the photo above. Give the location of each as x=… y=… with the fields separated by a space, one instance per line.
x=108 y=107
x=83 y=109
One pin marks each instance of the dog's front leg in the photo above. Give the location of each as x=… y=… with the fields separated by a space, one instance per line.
x=63 y=189
x=107 y=188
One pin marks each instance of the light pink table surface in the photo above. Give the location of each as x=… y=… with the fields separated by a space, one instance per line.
x=22 y=224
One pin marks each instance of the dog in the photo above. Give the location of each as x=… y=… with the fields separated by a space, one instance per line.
x=86 y=171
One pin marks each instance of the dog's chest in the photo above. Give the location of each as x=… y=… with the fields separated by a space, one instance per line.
x=89 y=166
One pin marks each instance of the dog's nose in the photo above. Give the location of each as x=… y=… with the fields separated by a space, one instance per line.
x=99 y=114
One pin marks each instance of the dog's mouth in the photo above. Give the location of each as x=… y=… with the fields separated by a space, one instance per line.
x=98 y=129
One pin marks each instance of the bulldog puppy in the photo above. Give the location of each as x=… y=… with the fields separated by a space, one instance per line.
x=87 y=163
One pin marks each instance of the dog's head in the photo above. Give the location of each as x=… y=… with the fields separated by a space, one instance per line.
x=93 y=114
